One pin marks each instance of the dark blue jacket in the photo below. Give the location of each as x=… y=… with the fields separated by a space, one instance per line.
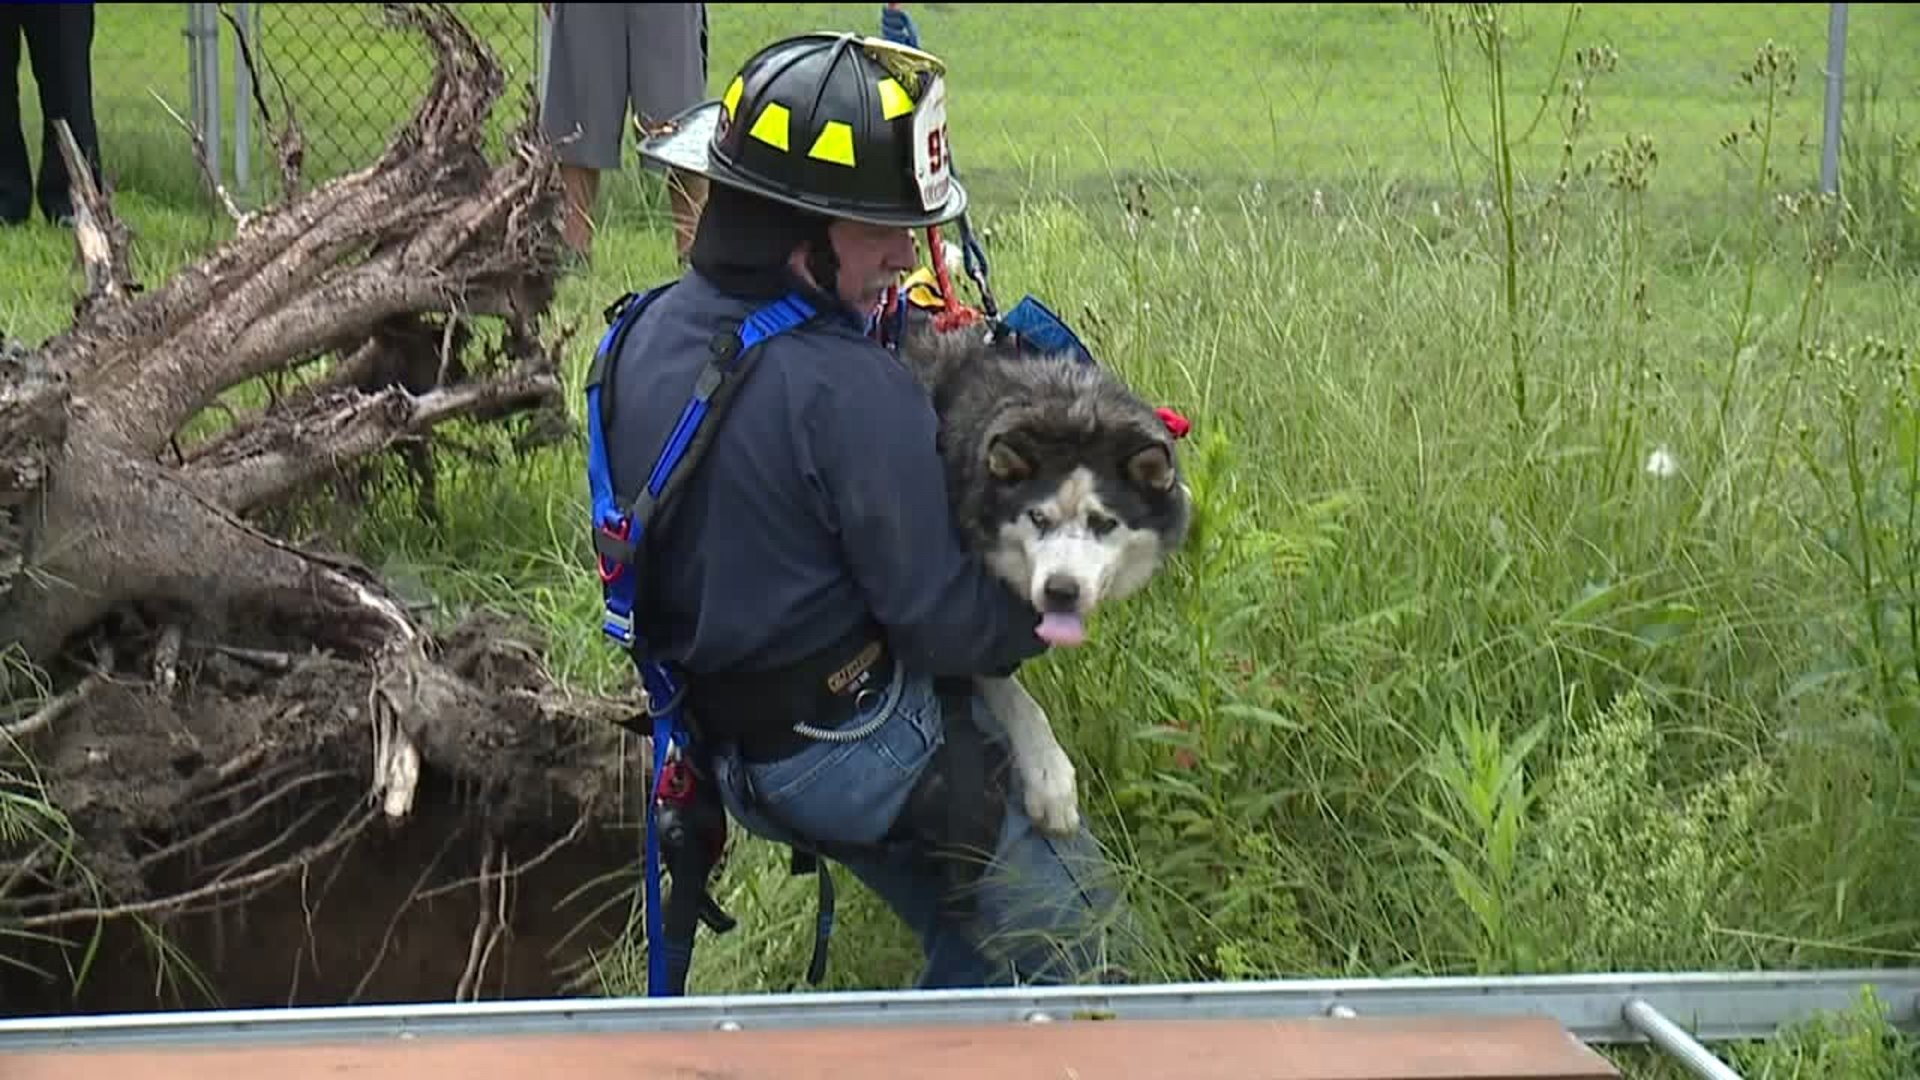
x=820 y=504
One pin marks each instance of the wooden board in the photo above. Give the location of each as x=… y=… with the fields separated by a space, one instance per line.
x=1436 y=1048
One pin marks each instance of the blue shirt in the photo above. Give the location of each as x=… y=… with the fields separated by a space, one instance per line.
x=820 y=505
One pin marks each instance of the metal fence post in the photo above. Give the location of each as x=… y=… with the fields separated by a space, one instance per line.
x=215 y=99
x=542 y=53
x=203 y=70
x=243 y=100
x=191 y=35
x=1836 y=98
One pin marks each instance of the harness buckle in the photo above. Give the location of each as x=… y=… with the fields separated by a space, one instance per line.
x=619 y=627
x=612 y=312
x=613 y=548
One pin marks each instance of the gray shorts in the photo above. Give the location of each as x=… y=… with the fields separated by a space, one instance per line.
x=607 y=56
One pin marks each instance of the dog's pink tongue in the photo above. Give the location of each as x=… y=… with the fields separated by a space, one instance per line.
x=1062 y=628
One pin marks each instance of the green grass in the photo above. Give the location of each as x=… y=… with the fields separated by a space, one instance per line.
x=1451 y=679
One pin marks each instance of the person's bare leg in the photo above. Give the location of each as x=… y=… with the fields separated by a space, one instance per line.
x=688 y=195
x=581 y=186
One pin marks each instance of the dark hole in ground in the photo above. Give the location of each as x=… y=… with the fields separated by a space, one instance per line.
x=313 y=938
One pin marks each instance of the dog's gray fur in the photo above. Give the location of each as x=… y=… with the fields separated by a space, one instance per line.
x=1069 y=485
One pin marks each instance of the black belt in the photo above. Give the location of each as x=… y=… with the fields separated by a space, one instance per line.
x=827 y=690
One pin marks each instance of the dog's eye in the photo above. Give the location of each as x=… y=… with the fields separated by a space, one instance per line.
x=1038 y=518
x=1101 y=524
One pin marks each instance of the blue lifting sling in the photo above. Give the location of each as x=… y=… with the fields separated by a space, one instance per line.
x=620 y=536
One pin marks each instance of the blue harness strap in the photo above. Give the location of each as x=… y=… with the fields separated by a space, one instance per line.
x=620 y=536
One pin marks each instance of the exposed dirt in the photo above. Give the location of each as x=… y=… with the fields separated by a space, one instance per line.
x=364 y=926
x=175 y=795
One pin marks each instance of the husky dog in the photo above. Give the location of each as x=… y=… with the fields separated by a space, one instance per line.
x=1067 y=483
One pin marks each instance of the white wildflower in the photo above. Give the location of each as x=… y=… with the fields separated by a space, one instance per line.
x=1662 y=463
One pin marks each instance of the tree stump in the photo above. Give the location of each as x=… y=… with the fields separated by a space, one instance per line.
x=233 y=732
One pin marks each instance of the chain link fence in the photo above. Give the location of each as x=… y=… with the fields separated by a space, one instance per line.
x=353 y=80
x=1094 y=100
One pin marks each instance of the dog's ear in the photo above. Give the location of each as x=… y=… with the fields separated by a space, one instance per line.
x=1152 y=468
x=1005 y=463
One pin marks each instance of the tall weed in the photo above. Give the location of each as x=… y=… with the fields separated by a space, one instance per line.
x=1551 y=603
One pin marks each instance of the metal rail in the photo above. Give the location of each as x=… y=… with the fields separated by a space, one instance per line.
x=1626 y=1008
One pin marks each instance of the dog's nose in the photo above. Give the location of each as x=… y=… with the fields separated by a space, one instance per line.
x=1061 y=592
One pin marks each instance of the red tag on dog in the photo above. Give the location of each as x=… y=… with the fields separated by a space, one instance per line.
x=1177 y=424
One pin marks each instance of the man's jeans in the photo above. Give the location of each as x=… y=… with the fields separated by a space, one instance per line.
x=1048 y=910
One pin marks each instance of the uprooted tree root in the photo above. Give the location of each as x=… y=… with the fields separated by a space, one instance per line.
x=251 y=751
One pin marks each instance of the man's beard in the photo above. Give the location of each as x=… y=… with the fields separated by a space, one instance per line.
x=877 y=287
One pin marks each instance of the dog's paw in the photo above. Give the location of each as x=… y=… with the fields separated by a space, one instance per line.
x=1051 y=799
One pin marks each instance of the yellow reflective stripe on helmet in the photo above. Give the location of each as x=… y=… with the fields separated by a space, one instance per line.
x=732 y=101
x=894 y=101
x=771 y=128
x=835 y=144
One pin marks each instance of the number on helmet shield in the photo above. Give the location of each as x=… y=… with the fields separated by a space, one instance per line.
x=931 y=152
